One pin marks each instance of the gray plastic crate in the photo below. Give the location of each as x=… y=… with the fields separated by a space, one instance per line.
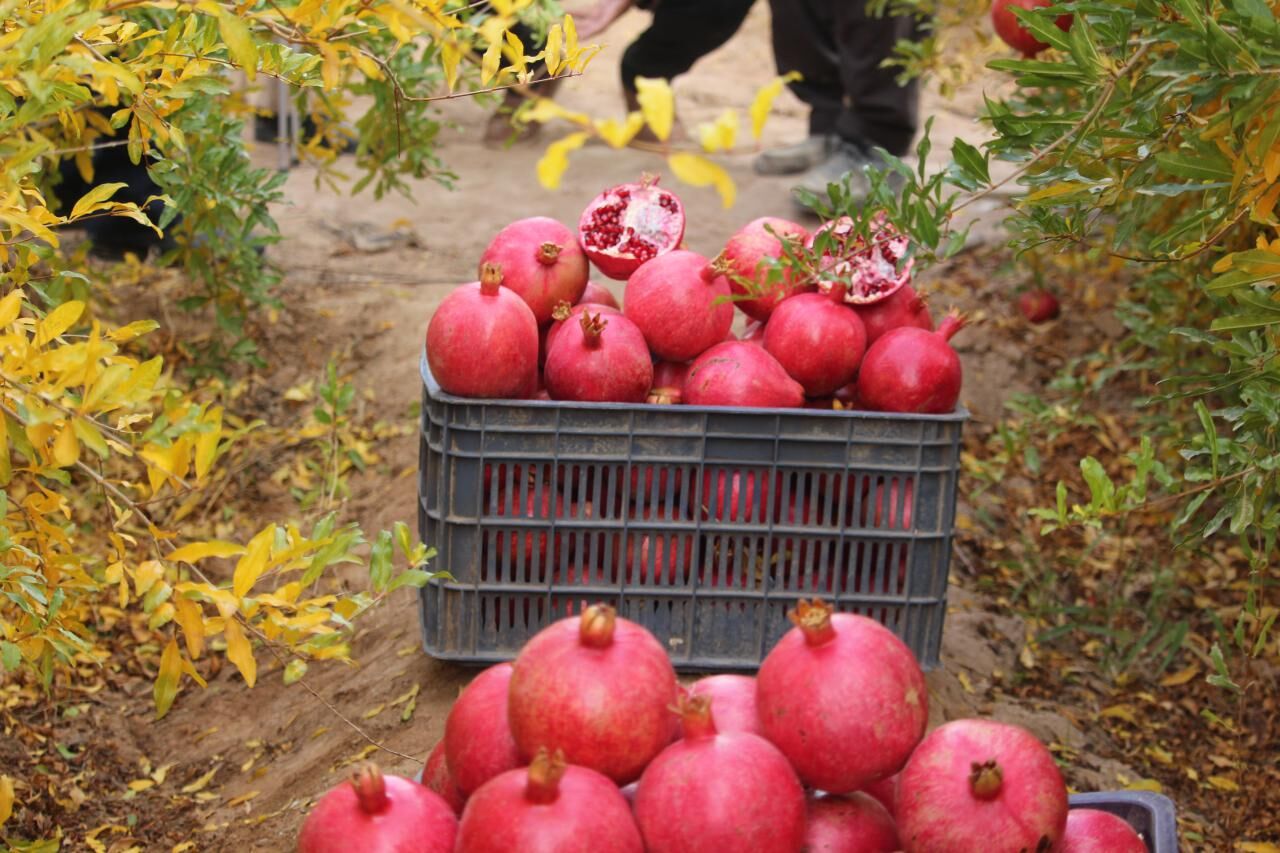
x=539 y=508
x=1151 y=815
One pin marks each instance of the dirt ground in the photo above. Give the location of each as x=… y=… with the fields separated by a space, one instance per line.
x=275 y=748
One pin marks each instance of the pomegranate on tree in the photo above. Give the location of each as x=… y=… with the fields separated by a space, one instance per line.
x=718 y=791
x=818 y=340
x=736 y=373
x=1011 y=30
x=734 y=699
x=483 y=341
x=599 y=688
x=849 y=823
x=598 y=294
x=541 y=261
x=842 y=697
x=549 y=807
x=668 y=383
x=859 y=273
x=679 y=304
x=911 y=370
x=1038 y=306
x=437 y=778
x=477 y=739
x=981 y=785
x=387 y=814
x=630 y=224
x=743 y=262
x=1095 y=831
x=904 y=308
x=600 y=360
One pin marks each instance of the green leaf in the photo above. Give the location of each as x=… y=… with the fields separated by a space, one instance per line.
x=1210 y=434
x=10 y=655
x=294 y=670
x=415 y=578
x=1101 y=489
x=380 y=562
x=239 y=41
x=972 y=162
x=1197 y=167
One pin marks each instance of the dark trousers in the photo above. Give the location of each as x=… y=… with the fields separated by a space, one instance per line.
x=838 y=48
x=682 y=32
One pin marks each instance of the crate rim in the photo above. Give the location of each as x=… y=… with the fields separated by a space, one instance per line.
x=960 y=415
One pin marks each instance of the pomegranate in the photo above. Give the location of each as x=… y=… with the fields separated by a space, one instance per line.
x=375 y=812
x=846 y=397
x=1038 y=306
x=483 y=340
x=550 y=807
x=981 y=785
x=1095 y=831
x=628 y=225
x=599 y=688
x=598 y=294
x=541 y=261
x=677 y=300
x=849 y=823
x=649 y=488
x=856 y=272
x=437 y=778
x=904 y=308
x=737 y=496
x=1011 y=30
x=599 y=360
x=743 y=263
x=911 y=370
x=477 y=739
x=714 y=790
x=563 y=313
x=885 y=791
x=734 y=699
x=668 y=383
x=655 y=558
x=842 y=697
x=527 y=549
x=741 y=374
x=817 y=340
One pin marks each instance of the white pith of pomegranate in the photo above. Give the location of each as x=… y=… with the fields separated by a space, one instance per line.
x=629 y=224
x=866 y=273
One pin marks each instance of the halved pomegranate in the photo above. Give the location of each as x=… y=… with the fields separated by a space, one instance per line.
x=867 y=274
x=629 y=224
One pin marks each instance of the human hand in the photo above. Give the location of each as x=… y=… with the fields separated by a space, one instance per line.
x=598 y=18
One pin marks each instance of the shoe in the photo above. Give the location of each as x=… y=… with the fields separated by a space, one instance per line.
x=848 y=163
x=796 y=158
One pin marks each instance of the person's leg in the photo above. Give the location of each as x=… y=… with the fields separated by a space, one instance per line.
x=880 y=111
x=682 y=32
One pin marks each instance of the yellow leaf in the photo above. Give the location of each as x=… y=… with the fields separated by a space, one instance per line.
x=6 y=471
x=545 y=109
x=253 y=563
x=555 y=160
x=1224 y=783
x=617 y=134
x=1271 y=165
x=58 y=321
x=95 y=199
x=367 y=65
x=570 y=39
x=1257 y=847
x=552 y=52
x=1181 y=677
x=235 y=32
x=190 y=618
x=515 y=53
x=166 y=689
x=146 y=575
x=720 y=134
x=140 y=785
x=1263 y=207
x=10 y=307
x=450 y=56
x=66 y=447
x=1123 y=712
x=1145 y=785
x=199 y=550
x=490 y=61
x=199 y=784
x=242 y=799
x=762 y=103
x=1055 y=190
x=133 y=330
x=88 y=433
x=698 y=171
x=240 y=653
x=6 y=799
x=657 y=104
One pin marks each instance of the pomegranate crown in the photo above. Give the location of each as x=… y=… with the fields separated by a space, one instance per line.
x=545 y=772
x=562 y=310
x=695 y=715
x=596 y=626
x=985 y=779
x=952 y=323
x=370 y=788
x=592 y=326
x=490 y=278
x=549 y=252
x=813 y=618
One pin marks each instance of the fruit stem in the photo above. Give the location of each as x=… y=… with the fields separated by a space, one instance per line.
x=548 y=253
x=985 y=779
x=695 y=715
x=592 y=326
x=371 y=789
x=490 y=279
x=952 y=323
x=562 y=310
x=596 y=626
x=545 y=772
x=814 y=619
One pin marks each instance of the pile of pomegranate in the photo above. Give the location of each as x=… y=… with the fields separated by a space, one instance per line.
x=589 y=744
x=835 y=326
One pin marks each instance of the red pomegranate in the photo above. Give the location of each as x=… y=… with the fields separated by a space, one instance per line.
x=564 y=313
x=1011 y=30
x=597 y=687
x=849 y=823
x=817 y=340
x=599 y=360
x=744 y=263
x=668 y=383
x=477 y=739
x=528 y=550
x=734 y=699
x=729 y=495
x=680 y=305
x=379 y=813
x=541 y=261
x=550 y=807
x=842 y=697
x=863 y=274
x=1095 y=831
x=981 y=785
x=656 y=558
x=627 y=225
x=741 y=374
x=719 y=791
x=904 y=308
x=911 y=370
x=483 y=317
x=438 y=779
x=598 y=294
x=1038 y=306
x=885 y=791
